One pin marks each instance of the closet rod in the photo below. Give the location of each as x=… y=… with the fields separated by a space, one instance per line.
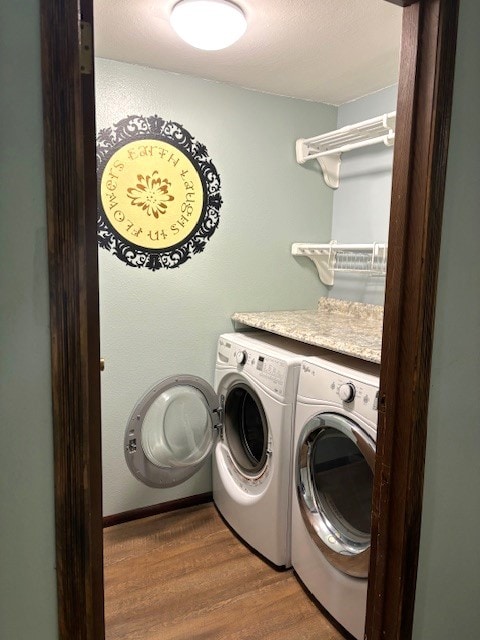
x=335 y=246
x=328 y=148
x=379 y=123
x=388 y=140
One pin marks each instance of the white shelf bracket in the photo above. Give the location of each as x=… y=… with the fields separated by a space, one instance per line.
x=321 y=258
x=331 y=169
x=330 y=165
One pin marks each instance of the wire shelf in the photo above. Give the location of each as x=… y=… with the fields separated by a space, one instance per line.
x=369 y=259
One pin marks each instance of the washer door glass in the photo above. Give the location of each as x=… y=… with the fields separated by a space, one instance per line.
x=335 y=466
x=246 y=430
x=171 y=431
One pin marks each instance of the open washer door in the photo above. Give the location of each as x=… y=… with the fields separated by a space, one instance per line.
x=172 y=430
x=335 y=467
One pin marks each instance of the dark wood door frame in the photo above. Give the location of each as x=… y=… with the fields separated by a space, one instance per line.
x=69 y=139
x=423 y=120
x=420 y=157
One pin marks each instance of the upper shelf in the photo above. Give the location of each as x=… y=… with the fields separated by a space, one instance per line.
x=328 y=147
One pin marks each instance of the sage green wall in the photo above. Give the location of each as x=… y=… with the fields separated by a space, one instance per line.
x=157 y=324
x=27 y=546
x=448 y=588
x=361 y=204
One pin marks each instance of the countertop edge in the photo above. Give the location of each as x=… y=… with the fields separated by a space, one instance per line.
x=269 y=321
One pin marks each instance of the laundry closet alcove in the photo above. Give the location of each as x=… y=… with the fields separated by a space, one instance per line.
x=165 y=324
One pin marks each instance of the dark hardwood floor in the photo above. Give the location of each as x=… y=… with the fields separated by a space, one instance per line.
x=184 y=575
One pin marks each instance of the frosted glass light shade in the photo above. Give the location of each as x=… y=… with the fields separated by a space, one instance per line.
x=208 y=24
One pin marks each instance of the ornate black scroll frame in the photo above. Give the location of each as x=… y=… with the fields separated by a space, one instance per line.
x=133 y=128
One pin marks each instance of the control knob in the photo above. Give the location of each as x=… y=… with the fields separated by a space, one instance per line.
x=241 y=356
x=347 y=392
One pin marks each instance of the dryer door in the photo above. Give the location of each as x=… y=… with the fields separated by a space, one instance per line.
x=172 y=430
x=335 y=466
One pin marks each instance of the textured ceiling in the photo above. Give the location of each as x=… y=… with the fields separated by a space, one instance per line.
x=329 y=51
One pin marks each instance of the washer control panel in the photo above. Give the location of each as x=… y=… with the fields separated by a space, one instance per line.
x=270 y=371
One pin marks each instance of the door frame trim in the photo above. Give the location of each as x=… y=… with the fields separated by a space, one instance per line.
x=420 y=160
x=423 y=120
x=70 y=179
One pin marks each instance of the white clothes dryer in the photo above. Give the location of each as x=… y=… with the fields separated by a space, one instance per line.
x=333 y=467
x=246 y=422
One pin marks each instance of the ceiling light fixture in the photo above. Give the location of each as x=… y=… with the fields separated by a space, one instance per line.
x=208 y=24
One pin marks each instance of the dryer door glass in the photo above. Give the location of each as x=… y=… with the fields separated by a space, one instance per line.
x=246 y=430
x=171 y=431
x=335 y=472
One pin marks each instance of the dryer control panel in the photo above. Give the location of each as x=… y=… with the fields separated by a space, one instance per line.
x=268 y=370
x=353 y=390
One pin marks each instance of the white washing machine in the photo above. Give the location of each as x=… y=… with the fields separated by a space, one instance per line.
x=257 y=375
x=333 y=468
x=246 y=422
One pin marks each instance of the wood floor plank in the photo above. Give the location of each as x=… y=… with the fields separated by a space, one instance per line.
x=185 y=576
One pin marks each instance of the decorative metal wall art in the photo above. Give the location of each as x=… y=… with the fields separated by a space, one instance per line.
x=158 y=192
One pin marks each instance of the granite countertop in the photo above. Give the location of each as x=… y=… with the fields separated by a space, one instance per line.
x=352 y=328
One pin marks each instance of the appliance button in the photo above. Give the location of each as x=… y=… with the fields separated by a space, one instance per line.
x=241 y=356
x=347 y=392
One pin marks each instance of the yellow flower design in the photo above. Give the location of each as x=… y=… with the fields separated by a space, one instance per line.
x=151 y=194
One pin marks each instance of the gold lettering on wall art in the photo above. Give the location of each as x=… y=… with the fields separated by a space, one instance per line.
x=152 y=194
